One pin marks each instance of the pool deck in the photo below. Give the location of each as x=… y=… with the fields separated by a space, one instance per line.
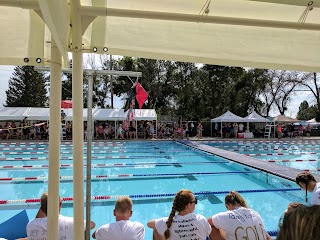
x=275 y=169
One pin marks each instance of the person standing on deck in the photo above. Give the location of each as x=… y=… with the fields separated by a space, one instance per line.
x=308 y=183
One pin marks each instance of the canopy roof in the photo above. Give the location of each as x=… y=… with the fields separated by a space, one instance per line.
x=284 y=119
x=250 y=33
x=43 y=114
x=119 y=114
x=228 y=117
x=255 y=117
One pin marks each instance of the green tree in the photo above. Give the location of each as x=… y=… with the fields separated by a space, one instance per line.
x=306 y=112
x=27 y=88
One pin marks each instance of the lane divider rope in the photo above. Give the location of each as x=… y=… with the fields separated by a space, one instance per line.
x=163 y=195
x=121 y=176
x=110 y=165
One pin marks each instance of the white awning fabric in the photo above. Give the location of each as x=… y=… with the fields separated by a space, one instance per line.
x=228 y=117
x=13 y=113
x=43 y=114
x=255 y=117
x=249 y=33
x=109 y=115
x=120 y=115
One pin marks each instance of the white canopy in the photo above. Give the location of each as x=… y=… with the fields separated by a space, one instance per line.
x=41 y=114
x=284 y=119
x=313 y=120
x=120 y=115
x=13 y=113
x=255 y=33
x=69 y=113
x=255 y=117
x=109 y=114
x=145 y=114
x=228 y=117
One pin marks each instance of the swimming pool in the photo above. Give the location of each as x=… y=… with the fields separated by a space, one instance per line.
x=302 y=154
x=149 y=172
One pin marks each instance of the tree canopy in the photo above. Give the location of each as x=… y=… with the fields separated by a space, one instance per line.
x=27 y=88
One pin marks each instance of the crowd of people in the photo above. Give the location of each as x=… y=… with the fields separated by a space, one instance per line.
x=39 y=130
x=239 y=221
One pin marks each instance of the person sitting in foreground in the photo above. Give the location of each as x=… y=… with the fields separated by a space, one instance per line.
x=37 y=228
x=239 y=222
x=123 y=228
x=301 y=224
x=184 y=225
x=308 y=183
x=292 y=206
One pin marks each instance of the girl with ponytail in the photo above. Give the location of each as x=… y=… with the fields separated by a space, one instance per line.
x=185 y=225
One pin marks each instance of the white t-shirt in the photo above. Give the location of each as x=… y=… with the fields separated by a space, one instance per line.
x=121 y=230
x=37 y=228
x=315 y=196
x=241 y=127
x=187 y=227
x=240 y=223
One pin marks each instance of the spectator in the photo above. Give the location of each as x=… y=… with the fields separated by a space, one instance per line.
x=292 y=206
x=37 y=228
x=239 y=222
x=308 y=183
x=301 y=224
x=123 y=228
x=177 y=226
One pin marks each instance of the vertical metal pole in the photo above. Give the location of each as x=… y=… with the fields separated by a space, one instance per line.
x=77 y=136
x=89 y=142
x=54 y=142
x=111 y=82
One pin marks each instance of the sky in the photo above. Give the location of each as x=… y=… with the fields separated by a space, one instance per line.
x=6 y=73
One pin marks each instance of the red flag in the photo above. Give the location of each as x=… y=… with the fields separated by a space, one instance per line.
x=141 y=95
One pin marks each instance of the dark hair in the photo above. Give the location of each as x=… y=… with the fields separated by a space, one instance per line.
x=305 y=177
x=181 y=200
x=301 y=224
x=234 y=198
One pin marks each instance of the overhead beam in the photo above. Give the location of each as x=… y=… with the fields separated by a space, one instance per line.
x=125 y=13
x=98 y=72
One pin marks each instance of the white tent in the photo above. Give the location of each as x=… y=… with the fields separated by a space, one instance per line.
x=313 y=121
x=255 y=117
x=40 y=114
x=120 y=115
x=284 y=119
x=145 y=114
x=69 y=113
x=13 y=113
x=228 y=117
x=109 y=115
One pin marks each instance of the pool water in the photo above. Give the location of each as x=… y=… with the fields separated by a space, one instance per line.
x=149 y=172
x=298 y=154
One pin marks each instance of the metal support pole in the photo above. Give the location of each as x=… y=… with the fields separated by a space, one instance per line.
x=111 y=82
x=54 y=142
x=89 y=142
x=77 y=106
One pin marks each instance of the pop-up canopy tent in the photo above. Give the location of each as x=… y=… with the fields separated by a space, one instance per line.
x=13 y=113
x=284 y=119
x=228 y=117
x=255 y=117
x=39 y=114
x=109 y=115
x=313 y=121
